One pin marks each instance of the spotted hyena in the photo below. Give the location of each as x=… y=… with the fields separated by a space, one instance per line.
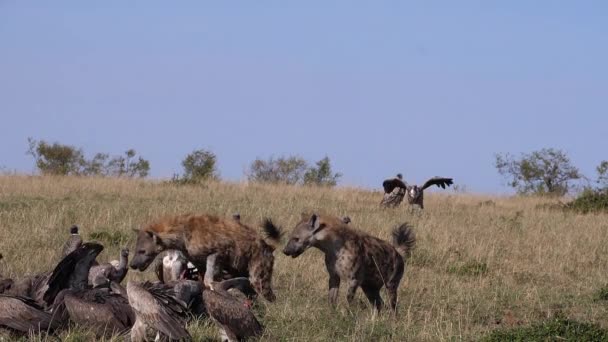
x=214 y=245
x=354 y=257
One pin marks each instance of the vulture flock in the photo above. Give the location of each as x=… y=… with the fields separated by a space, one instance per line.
x=395 y=189
x=90 y=294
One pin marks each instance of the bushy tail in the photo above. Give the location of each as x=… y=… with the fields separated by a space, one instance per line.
x=272 y=232
x=404 y=239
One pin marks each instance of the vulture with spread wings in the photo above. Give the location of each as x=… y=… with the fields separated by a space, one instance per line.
x=395 y=189
x=415 y=194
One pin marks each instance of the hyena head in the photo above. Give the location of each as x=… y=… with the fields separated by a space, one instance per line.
x=261 y=272
x=303 y=235
x=147 y=247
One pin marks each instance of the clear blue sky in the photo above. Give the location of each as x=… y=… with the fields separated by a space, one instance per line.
x=420 y=87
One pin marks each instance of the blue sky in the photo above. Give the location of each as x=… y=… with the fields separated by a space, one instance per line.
x=424 y=88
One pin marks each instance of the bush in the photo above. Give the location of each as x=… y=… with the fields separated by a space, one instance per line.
x=57 y=159
x=285 y=170
x=590 y=201
x=198 y=166
x=321 y=174
x=559 y=329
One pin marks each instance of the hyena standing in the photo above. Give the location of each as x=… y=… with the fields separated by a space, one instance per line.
x=354 y=257
x=213 y=245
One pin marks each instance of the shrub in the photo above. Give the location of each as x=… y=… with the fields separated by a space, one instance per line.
x=198 y=166
x=321 y=174
x=286 y=170
x=590 y=201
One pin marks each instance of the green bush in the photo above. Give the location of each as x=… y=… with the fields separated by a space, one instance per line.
x=559 y=329
x=590 y=201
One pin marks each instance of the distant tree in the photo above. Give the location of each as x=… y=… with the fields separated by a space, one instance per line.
x=127 y=165
x=97 y=166
x=602 y=174
x=57 y=159
x=287 y=170
x=548 y=171
x=322 y=174
x=200 y=165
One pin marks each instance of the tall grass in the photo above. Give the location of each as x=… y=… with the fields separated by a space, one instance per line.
x=481 y=263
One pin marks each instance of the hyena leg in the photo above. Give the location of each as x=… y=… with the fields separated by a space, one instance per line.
x=373 y=295
x=334 y=287
x=351 y=289
x=210 y=270
x=393 y=283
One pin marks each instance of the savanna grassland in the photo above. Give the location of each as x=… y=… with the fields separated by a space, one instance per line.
x=481 y=263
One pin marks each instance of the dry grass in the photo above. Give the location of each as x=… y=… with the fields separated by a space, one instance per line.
x=481 y=263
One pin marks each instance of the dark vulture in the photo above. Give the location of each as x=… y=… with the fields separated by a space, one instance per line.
x=102 y=274
x=24 y=316
x=156 y=309
x=415 y=194
x=100 y=309
x=233 y=316
x=73 y=242
x=394 y=191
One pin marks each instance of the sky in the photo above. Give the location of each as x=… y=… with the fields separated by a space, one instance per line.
x=425 y=88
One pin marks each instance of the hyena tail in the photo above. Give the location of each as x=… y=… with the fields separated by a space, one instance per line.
x=404 y=239
x=272 y=232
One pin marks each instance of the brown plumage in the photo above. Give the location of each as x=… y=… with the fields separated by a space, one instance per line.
x=157 y=310
x=233 y=316
x=394 y=191
x=99 y=309
x=23 y=316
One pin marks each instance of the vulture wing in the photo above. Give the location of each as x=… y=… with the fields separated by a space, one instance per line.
x=439 y=181
x=156 y=305
x=232 y=314
x=390 y=184
x=24 y=315
x=108 y=313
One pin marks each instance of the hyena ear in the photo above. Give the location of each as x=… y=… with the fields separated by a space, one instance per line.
x=315 y=224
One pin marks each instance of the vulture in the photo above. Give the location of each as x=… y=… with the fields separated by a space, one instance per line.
x=157 y=310
x=100 y=309
x=395 y=189
x=190 y=292
x=73 y=242
x=233 y=316
x=100 y=274
x=415 y=194
x=24 y=316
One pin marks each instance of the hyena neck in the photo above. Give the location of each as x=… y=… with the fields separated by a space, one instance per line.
x=173 y=240
x=328 y=242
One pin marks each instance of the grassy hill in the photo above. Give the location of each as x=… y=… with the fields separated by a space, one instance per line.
x=481 y=263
